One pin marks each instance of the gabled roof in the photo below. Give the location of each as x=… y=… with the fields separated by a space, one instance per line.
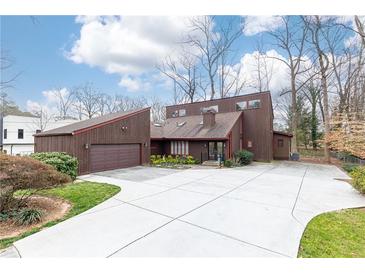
x=191 y=127
x=85 y=125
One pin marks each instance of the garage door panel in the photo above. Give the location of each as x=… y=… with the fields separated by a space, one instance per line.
x=107 y=157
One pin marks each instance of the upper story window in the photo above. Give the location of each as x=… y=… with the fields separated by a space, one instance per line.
x=5 y=133
x=241 y=105
x=215 y=108
x=182 y=112
x=20 y=133
x=254 y=103
x=175 y=113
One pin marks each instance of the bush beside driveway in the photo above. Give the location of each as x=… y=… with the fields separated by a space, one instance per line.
x=257 y=210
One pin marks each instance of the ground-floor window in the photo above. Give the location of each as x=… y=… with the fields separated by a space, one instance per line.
x=179 y=147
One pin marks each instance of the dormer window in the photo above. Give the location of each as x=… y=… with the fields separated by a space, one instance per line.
x=182 y=112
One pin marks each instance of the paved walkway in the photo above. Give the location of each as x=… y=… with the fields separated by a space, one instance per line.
x=255 y=211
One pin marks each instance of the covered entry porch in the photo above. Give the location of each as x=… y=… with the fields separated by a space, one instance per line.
x=201 y=150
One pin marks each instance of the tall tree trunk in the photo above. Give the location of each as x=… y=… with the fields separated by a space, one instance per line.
x=294 y=119
x=314 y=125
x=212 y=89
x=323 y=71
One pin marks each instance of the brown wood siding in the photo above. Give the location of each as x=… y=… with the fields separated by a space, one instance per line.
x=138 y=132
x=281 y=153
x=55 y=143
x=236 y=138
x=257 y=124
x=107 y=157
x=157 y=148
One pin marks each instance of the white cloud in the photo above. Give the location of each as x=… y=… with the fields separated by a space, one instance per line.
x=129 y=45
x=257 y=24
x=277 y=76
x=48 y=103
x=133 y=83
x=52 y=96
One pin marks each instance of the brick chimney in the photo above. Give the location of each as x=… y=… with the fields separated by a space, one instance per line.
x=209 y=118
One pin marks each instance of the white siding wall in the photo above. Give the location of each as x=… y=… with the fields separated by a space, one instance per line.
x=24 y=146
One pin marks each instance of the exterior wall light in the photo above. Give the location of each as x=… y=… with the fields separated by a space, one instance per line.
x=86 y=146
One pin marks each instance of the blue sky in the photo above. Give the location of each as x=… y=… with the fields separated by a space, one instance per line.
x=114 y=54
x=38 y=51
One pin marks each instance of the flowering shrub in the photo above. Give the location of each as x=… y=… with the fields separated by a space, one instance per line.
x=172 y=160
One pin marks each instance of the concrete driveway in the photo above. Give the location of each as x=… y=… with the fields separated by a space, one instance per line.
x=255 y=211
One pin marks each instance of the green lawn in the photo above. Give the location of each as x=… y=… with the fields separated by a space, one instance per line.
x=339 y=234
x=82 y=196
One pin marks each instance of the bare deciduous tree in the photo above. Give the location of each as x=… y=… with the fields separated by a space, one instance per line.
x=44 y=117
x=64 y=102
x=87 y=101
x=212 y=44
x=183 y=72
x=291 y=38
x=158 y=110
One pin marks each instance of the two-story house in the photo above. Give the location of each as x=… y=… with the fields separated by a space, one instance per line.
x=16 y=134
x=220 y=127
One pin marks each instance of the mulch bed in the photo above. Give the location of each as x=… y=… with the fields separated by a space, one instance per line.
x=52 y=209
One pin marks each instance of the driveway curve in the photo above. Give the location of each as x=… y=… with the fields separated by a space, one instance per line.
x=256 y=211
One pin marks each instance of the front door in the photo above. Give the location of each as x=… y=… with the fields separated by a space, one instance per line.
x=214 y=149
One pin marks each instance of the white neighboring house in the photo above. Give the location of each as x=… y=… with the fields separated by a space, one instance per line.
x=17 y=132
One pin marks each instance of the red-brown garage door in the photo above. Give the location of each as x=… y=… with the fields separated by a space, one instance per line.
x=107 y=157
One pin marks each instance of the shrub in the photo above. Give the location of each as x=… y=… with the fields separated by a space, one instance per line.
x=59 y=160
x=228 y=163
x=25 y=173
x=28 y=216
x=172 y=160
x=358 y=179
x=348 y=167
x=243 y=157
x=190 y=160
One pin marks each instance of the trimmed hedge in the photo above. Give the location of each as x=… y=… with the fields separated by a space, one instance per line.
x=243 y=157
x=61 y=161
x=358 y=179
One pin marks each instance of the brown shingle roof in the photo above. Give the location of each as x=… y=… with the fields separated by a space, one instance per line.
x=193 y=128
x=90 y=123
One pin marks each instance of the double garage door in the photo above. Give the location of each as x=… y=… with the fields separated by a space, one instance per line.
x=107 y=157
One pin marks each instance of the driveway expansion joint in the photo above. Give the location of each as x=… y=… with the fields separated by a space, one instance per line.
x=196 y=208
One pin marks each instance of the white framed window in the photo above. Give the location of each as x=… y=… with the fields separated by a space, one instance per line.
x=182 y=112
x=241 y=105
x=254 y=104
x=179 y=148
